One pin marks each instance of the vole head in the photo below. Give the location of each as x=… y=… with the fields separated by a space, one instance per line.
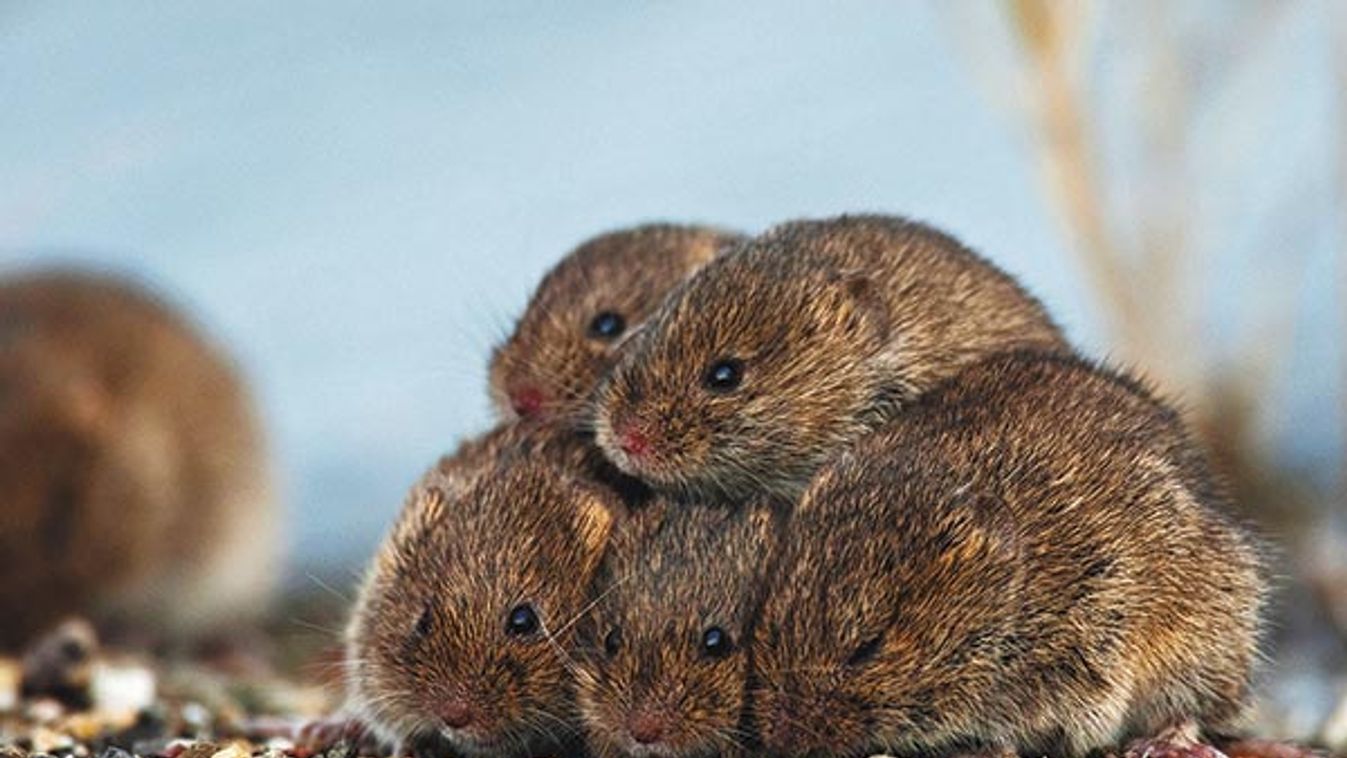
x=665 y=657
x=585 y=308
x=748 y=376
x=887 y=617
x=461 y=628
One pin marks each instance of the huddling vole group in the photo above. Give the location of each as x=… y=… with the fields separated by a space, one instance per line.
x=842 y=488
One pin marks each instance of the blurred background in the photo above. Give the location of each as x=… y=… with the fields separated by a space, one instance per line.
x=358 y=198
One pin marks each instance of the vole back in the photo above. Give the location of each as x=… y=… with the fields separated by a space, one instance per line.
x=781 y=351
x=1032 y=558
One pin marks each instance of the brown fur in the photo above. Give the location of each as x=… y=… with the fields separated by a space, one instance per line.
x=671 y=574
x=134 y=477
x=570 y=450
x=838 y=324
x=1037 y=559
x=496 y=526
x=627 y=272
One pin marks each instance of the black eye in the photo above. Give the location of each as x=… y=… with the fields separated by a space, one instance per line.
x=424 y=623
x=613 y=642
x=716 y=642
x=523 y=621
x=866 y=651
x=607 y=326
x=724 y=375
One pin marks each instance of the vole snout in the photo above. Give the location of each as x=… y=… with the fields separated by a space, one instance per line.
x=633 y=441
x=648 y=726
x=527 y=401
x=457 y=712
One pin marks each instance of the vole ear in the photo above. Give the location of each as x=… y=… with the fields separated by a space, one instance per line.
x=644 y=523
x=424 y=507
x=991 y=529
x=867 y=310
x=594 y=519
x=765 y=520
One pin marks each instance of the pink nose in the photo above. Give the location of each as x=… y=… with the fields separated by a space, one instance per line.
x=456 y=713
x=527 y=401
x=646 y=728
x=633 y=442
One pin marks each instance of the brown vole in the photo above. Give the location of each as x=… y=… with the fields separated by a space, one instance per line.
x=665 y=664
x=780 y=351
x=462 y=626
x=1033 y=558
x=134 y=476
x=586 y=306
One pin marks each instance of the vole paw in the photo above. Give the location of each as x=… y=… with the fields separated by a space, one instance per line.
x=989 y=752
x=1255 y=748
x=321 y=734
x=1178 y=741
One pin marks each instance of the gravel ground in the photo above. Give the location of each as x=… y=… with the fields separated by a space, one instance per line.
x=67 y=697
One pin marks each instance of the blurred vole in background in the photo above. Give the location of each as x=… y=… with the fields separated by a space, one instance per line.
x=134 y=480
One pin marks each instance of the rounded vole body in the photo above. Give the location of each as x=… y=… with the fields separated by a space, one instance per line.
x=585 y=307
x=136 y=486
x=1033 y=558
x=663 y=668
x=782 y=350
x=462 y=627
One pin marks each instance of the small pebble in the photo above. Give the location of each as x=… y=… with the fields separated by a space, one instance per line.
x=11 y=676
x=196 y=716
x=58 y=664
x=45 y=711
x=1334 y=731
x=122 y=689
x=156 y=747
x=46 y=740
x=85 y=726
x=146 y=732
x=233 y=750
x=114 y=752
x=199 y=750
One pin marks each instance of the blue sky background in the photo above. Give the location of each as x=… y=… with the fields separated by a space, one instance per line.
x=358 y=197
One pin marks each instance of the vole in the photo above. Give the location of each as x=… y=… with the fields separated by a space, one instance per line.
x=665 y=665
x=135 y=477
x=463 y=626
x=1032 y=559
x=585 y=307
x=783 y=350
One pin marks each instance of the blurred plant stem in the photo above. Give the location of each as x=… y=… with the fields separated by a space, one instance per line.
x=1145 y=266
x=1046 y=32
x=1339 y=19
